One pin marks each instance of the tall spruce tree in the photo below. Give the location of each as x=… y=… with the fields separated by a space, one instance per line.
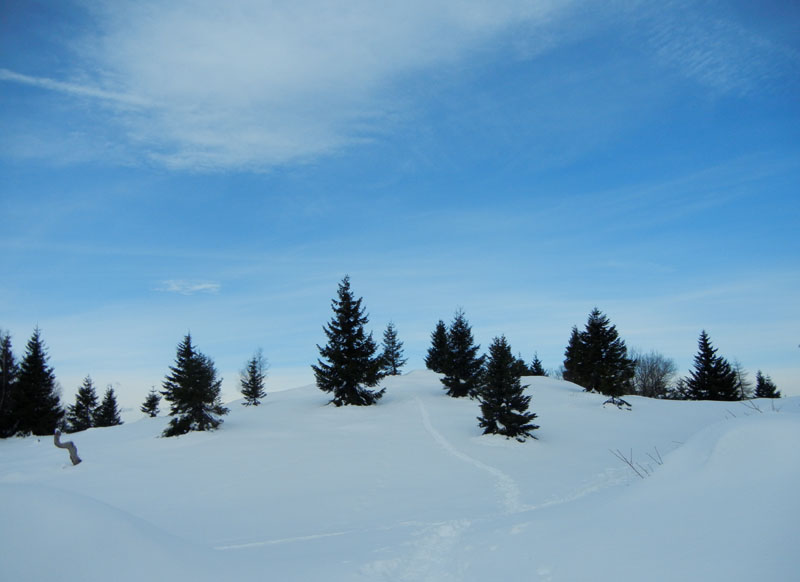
x=150 y=404
x=81 y=415
x=504 y=405
x=439 y=352
x=713 y=378
x=765 y=387
x=348 y=367
x=193 y=391
x=8 y=384
x=392 y=356
x=252 y=380
x=107 y=414
x=38 y=405
x=464 y=367
x=597 y=358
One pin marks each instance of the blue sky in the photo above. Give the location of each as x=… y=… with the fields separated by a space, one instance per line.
x=218 y=168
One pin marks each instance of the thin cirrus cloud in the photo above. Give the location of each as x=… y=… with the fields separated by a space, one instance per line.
x=245 y=84
x=249 y=85
x=183 y=287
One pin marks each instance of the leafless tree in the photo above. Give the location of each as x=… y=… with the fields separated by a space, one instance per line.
x=653 y=373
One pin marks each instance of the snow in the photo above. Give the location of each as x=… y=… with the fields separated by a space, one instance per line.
x=410 y=490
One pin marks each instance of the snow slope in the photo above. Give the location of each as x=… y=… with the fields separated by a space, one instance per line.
x=410 y=490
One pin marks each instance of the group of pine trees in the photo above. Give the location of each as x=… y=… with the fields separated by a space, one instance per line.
x=350 y=369
x=30 y=400
x=597 y=359
x=87 y=413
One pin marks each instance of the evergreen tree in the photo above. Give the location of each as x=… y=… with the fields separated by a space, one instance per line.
x=765 y=387
x=81 y=415
x=520 y=367
x=193 y=391
x=252 y=380
x=464 y=366
x=597 y=358
x=392 y=357
x=504 y=406
x=8 y=385
x=439 y=352
x=150 y=405
x=713 y=377
x=536 y=368
x=349 y=366
x=107 y=414
x=573 y=358
x=38 y=405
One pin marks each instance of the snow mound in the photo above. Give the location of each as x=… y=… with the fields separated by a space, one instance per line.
x=410 y=490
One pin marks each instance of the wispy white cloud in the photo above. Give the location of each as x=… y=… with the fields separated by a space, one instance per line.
x=253 y=84
x=189 y=287
x=73 y=88
x=713 y=49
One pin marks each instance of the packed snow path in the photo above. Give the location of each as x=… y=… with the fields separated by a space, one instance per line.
x=506 y=486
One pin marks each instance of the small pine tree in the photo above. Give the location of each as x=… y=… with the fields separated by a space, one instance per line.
x=8 y=384
x=81 y=415
x=765 y=387
x=536 y=368
x=464 y=366
x=392 y=357
x=107 y=413
x=713 y=377
x=504 y=406
x=38 y=405
x=520 y=367
x=150 y=405
x=252 y=380
x=193 y=391
x=439 y=352
x=349 y=366
x=597 y=358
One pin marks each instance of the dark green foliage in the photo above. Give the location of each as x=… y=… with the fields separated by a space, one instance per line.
x=520 y=367
x=81 y=415
x=536 y=368
x=8 y=386
x=107 y=413
x=765 y=387
x=574 y=357
x=348 y=367
x=150 y=405
x=252 y=380
x=504 y=406
x=597 y=358
x=392 y=356
x=439 y=352
x=38 y=406
x=464 y=367
x=193 y=391
x=679 y=391
x=713 y=377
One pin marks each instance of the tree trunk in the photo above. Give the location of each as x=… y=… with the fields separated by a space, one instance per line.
x=69 y=445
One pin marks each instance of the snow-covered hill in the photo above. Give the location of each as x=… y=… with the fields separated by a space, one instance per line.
x=410 y=490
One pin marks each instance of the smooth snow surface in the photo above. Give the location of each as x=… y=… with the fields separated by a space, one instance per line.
x=410 y=490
